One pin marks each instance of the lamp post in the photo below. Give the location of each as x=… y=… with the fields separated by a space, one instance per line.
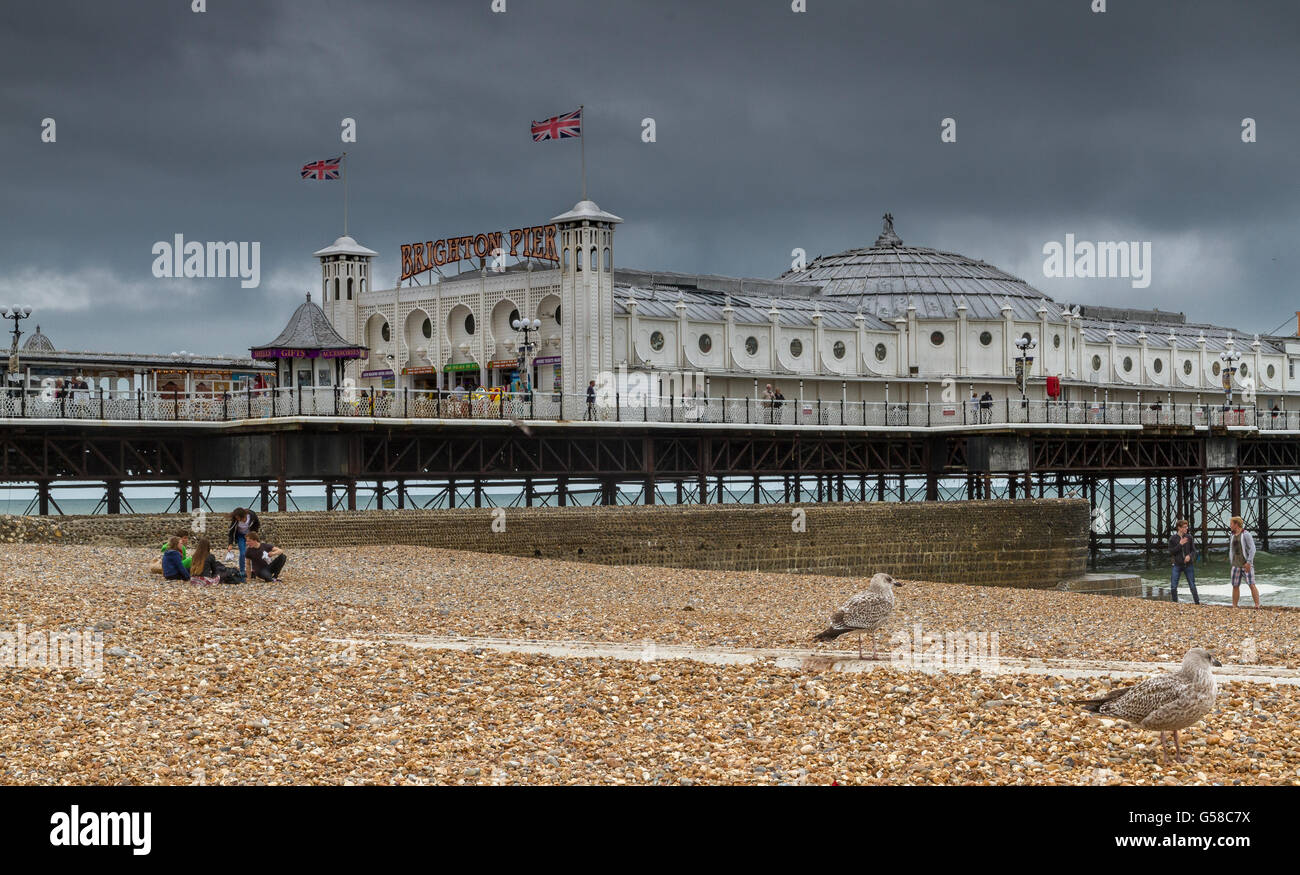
x=17 y=314
x=526 y=347
x=1024 y=361
x=1229 y=358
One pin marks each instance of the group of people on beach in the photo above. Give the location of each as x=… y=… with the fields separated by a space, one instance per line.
x=1241 y=557
x=201 y=567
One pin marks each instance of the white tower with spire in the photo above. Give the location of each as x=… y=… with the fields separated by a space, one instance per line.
x=345 y=277
x=586 y=293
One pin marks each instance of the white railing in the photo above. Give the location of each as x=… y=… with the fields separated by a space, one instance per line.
x=418 y=404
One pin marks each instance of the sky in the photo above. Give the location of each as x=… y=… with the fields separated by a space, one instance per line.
x=774 y=131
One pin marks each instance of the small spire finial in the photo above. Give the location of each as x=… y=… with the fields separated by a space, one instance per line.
x=309 y=297
x=887 y=236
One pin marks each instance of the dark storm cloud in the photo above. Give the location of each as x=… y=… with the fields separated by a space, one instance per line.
x=775 y=130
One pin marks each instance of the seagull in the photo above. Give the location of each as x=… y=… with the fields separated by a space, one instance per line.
x=1167 y=702
x=865 y=612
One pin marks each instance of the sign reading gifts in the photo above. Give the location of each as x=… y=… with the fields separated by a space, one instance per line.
x=535 y=242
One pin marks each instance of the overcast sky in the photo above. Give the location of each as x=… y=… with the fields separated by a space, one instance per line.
x=775 y=130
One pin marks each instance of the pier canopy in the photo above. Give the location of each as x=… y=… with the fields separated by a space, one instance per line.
x=310 y=340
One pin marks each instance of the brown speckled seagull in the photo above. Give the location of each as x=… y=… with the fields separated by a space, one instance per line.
x=1167 y=702
x=865 y=612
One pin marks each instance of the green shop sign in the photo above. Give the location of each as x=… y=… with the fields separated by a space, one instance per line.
x=460 y=366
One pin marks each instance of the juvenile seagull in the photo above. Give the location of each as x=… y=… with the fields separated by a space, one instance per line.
x=1167 y=702
x=865 y=612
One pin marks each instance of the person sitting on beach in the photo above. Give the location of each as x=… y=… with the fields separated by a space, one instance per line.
x=204 y=568
x=173 y=563
x=266 y=560
x=156 y=567
x=242 y=521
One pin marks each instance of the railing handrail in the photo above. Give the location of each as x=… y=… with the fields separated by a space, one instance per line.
x=544 y=405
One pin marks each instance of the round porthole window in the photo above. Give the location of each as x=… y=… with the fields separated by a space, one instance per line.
x=839 y=349
x=386 y=333
x=469 y=324
x=881 y=352
x=986 y=338
x=706 y=343
x=1128 y=364
x=427 y=329
x=1056 y=341
x=796 y=347
x=1244 y=369
x=657 y=340
x=1187 y=367
x=1157 y=366
x=558 y=320
x=1214 y=369
x=937 y=338
x=514 y=317
x=1272 y=372
x=751 y=345
x=1096 y=363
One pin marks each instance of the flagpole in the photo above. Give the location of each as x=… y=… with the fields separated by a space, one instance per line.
x=583 y=138
x=345 y=194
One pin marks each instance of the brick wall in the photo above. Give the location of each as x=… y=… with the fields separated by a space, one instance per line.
x=1036 y=543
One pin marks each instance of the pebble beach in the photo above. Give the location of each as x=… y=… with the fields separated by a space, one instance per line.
x=253 y=685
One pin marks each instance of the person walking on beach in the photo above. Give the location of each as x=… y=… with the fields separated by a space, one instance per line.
x=1183 y=551
x=242 y=521
x=1241 y=556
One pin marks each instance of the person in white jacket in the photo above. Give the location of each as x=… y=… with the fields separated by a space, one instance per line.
x=1241 y=556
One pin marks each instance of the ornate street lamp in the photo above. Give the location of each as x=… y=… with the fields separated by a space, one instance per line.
x=526 y=347
x=1229 y=358
x=17 y=314
x=1024 y=361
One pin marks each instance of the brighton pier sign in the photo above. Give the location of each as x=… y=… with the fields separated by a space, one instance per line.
x=535 y=242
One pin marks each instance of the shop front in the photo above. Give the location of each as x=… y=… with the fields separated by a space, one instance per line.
x=424 y=379
x=466 y=375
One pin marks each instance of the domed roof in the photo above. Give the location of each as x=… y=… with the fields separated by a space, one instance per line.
x=344 y=246
x=890 y=276
x=38 y=342
x=310 y=329
x=586 y=210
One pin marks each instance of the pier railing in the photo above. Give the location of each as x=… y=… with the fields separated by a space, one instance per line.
x=546 y=406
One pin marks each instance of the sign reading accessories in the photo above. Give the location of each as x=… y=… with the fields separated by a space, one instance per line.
x=535 y=242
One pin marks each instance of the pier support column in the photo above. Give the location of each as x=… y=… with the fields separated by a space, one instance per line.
x=1262 y=527
x=184 y=497
x=352 y=493
x=282 y=495
x=114 y=497
x=1234 y=491
x=264 y=496
x=379 y=495
x=329 y=495
x=451 y=493
x=478 y=492
x=401 y=494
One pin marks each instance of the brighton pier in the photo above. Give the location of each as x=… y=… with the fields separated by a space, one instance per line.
x=908 y=375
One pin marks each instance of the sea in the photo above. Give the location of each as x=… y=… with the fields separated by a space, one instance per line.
x=1277 y=572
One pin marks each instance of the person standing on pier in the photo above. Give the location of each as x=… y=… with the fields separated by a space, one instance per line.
x=242 y=521
x=591 y=401
x=1241 y=555
x=1183 y=550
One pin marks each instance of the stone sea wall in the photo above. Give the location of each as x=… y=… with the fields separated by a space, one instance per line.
x=1035 y=543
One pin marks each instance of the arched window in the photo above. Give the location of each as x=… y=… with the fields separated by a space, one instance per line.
x=349 y=288
x=595 y=259
x=566 y=258
x=609 y=260
x=578 y=258
x=336 y=288
x=363 y=286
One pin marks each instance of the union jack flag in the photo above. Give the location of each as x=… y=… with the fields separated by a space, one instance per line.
x=327 y=168
x=562 y=127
